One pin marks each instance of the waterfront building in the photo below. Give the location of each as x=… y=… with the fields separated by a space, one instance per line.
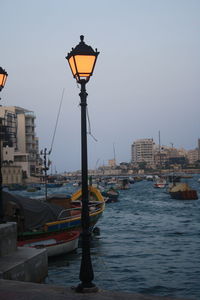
x=11 y=174
x=193 y=156
x=161 y=156
x=198 y=149
x=112 y=163
x=143 y=151
x=20 y=143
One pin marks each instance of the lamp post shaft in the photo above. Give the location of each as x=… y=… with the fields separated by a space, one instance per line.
x=3 y=77
x=86 y=271
x=84 y=160
x=1 y=178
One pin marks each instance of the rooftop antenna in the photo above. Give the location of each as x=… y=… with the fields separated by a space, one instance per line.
x=114 y=152
x=159 y=149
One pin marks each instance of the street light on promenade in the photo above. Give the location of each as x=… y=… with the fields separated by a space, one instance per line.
x=3 y=77
x=82 y=60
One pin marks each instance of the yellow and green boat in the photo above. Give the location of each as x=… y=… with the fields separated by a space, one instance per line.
x=96 y=208
x=40 y=218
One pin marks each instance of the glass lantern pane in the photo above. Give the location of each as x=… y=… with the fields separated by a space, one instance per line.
x=4 y=80
x=1 y=80
x=85 y=64
x=72 y=65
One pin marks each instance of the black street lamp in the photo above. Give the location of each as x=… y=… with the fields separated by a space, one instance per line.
x=3 y=77
x=82 y=61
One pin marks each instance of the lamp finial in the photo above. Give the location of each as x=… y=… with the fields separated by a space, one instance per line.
x=82 y=38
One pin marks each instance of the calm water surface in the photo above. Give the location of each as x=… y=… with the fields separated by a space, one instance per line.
x=149 y=243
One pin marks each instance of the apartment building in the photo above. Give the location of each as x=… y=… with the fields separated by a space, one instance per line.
x=198 y=147
x=112 y=163
x=161 y=156
x=20 y=144
x=193 y=156
x=142 y=151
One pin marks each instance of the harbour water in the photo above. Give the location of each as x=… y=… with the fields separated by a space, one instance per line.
x=148 y=243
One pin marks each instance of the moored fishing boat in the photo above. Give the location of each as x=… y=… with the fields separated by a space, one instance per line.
x=111 y=195
x=96 y=208
x=55 y=244
x=182 y=191
x=36 y=218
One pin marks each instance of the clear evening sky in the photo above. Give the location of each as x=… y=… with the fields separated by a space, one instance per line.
x=147 y=76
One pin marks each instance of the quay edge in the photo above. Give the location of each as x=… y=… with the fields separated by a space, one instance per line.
x=20 y=263
x=17 y=290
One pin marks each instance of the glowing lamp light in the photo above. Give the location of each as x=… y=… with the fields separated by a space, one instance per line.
x=82 y=60
x=3 y=77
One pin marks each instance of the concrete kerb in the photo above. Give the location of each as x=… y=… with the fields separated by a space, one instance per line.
x=17 y=290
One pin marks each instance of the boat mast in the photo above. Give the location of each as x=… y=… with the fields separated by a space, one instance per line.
x=159 y=150
x=114 y=153
x=45 y=153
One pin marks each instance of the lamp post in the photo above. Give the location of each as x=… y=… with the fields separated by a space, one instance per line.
x=3 y=77
x=82 y=60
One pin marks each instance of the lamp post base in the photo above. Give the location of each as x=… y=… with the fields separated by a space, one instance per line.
x=89 y=288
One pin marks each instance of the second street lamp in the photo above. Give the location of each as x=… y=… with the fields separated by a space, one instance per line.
x=3 y=77
x=82 y=60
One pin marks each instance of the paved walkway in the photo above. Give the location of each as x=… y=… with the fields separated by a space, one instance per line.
x=18 y=290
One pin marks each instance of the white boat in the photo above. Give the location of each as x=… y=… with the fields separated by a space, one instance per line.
x=54 y=243
x=160 y=183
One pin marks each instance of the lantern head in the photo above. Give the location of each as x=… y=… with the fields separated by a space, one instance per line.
x=82 y=60
x=3 y=77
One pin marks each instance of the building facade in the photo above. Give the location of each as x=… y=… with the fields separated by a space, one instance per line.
x=20 y=144
x=112 y=163
x=143 y=151
x=198 y=149
x=193 y=156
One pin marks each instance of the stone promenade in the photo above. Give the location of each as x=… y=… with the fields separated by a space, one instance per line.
x=18 y=290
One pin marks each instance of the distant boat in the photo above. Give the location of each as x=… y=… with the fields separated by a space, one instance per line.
x=111 y=195
x=17 y=187
x=182 y=191
x=131 y=180
x=33 y=188
x=160 y=183
x=54 y=185
x=76 y=184
x=149 y=177
x=54 y=243
x=123 y=184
